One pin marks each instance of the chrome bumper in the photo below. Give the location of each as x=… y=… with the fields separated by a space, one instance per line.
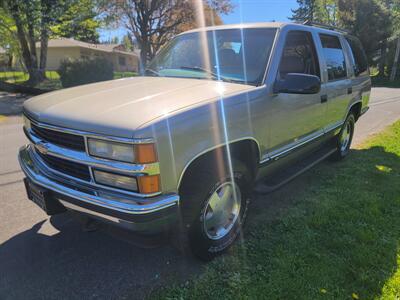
x=135 y=213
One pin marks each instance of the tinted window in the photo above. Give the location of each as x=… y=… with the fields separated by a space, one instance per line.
x=360 y=59
x=299 y=55
x=334 y=57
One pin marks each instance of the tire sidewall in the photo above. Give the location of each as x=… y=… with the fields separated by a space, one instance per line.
x=201 y=244
x=343 y=153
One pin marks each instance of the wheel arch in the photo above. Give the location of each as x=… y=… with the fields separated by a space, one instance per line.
x=246 y=150
x=356 y=109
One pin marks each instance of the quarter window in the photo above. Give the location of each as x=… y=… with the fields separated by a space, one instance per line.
x=334 y=57
x=299 y=55
x=359 y=56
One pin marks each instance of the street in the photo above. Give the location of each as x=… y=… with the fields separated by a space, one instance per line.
x=49 y=258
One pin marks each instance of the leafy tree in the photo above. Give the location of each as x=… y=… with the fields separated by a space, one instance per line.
x=154 y=22
x=305 y=12
x=79 y=22
x=32 y=21
x=369 y=20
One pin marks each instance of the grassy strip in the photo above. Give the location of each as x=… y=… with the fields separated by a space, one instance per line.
x=53 y=78
x=385 y=82
x=339 y=240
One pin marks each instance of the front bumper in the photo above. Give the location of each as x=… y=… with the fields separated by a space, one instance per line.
x=146 y=215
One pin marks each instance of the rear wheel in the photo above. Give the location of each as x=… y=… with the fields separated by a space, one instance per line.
x=214 y=205
x=344 y=138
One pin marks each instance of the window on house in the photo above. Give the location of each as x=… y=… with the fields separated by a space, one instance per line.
x=334 y=57
x=121 y=61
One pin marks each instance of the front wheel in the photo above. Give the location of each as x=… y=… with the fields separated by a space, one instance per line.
x=214 y=206
x=345 y=137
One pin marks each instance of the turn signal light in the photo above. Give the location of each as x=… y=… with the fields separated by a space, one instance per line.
x=145 y=153
x=149 y=184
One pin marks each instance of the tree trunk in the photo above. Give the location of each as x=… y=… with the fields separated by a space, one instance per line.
x=143 y=56
x=396 y=61
x=382 y=60
x=29 y=59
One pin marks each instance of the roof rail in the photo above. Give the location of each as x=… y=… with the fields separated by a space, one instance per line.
x=325 y=26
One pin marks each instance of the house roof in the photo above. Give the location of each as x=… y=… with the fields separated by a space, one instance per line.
x=71 y=43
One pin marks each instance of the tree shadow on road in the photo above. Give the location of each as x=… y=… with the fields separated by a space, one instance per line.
x=11 y=104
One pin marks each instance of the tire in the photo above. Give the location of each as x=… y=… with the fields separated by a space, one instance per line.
x=206 y=189
x=344 y=138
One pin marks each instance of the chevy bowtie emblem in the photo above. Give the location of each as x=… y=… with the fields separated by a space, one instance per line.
x=42 y=148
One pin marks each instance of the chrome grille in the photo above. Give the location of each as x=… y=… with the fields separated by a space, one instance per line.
x=66 y=167
x=67 y=140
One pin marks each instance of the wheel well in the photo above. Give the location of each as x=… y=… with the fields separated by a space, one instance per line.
x=356 y=110
x=246 y=151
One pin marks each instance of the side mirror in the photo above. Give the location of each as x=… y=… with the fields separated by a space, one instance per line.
x=295 y=83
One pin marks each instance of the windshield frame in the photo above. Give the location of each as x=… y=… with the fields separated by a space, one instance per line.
x=258 y=82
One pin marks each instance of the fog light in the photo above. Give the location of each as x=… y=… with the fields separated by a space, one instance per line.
x=115 y=180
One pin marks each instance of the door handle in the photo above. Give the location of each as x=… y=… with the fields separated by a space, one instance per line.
x=324 y=98
x=349 y=90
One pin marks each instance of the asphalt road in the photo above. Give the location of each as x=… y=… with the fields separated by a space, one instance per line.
x=53 y=258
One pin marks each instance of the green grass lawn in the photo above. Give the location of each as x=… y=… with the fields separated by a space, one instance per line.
x=338 y=238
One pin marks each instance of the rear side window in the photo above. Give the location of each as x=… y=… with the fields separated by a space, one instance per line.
x=334 y=57
x=299 y=55
x=359 y=56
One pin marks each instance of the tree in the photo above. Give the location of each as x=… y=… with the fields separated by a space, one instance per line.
x=305 y=12
x=369 y=20
x=79 y=22
x=154 y=22
x=32 y=21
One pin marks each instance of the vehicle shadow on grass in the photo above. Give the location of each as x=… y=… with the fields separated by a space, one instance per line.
x=335 y=228
x=72 y=264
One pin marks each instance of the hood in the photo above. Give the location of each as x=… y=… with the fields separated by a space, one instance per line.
x=118 y=107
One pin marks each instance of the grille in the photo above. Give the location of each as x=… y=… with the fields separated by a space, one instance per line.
x=63 y=139
x=66 y=167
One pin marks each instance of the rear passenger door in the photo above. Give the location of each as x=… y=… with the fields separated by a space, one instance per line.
x=337 y=88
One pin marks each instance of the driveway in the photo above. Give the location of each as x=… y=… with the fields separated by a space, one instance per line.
x=53 y=258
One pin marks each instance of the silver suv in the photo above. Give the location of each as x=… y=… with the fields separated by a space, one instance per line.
x=218 y=110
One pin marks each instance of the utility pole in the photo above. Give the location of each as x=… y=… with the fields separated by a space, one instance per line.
x=396 y=61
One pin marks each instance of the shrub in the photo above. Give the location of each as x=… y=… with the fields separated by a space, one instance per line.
x=83 y=71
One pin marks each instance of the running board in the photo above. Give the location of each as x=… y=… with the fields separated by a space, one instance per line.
x=277 y=180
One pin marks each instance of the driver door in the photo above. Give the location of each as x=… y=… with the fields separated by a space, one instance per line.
x=296 y=118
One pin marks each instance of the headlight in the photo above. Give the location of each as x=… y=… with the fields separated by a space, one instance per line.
x=111 y=150
x=27 y=123
x=115 y=180
x=140 y=153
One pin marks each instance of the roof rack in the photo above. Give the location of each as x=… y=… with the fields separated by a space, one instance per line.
x=325 y=26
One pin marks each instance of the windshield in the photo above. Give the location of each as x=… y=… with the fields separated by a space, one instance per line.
x=234 y=55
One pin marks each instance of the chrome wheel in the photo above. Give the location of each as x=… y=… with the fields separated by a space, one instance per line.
x=345 y=137
x=222 y=210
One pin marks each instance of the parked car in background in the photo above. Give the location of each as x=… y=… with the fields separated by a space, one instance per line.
x=181 y=148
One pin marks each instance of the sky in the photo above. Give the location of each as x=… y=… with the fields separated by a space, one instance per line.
x=245 y=11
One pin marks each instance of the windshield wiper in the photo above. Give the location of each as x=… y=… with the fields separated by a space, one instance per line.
x=152 y=71
x=209 y=72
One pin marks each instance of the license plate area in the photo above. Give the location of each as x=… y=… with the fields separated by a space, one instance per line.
x=43 y=198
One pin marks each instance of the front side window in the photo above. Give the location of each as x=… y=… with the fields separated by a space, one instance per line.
x=236 y=55
x=299 y=55
x=334 y=57
x=359 y=56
